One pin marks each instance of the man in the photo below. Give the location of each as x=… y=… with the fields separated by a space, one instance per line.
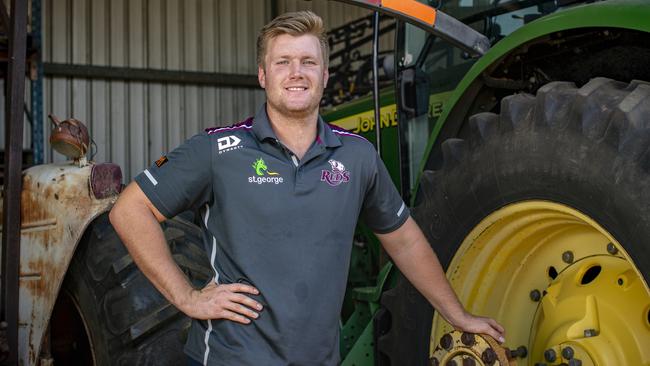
x=279 y=195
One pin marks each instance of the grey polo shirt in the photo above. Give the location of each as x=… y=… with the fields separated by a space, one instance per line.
x=282 y=225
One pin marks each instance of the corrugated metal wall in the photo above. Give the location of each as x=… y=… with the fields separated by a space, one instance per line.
x=27 y=127
x=133 y=123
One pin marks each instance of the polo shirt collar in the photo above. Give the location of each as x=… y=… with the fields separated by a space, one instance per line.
x=263 y=130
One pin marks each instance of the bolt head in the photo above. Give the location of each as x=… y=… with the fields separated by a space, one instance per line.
x=489 y=356
x=567 y=257
x=451 y=363
x=567 y=352
x=575 y=362
x=521 y=351
x=590 y=333
x=446 y=341
x=469 y=362
x=611 y=249
x=468 y=339
x=434 y=362
x=549 y=355
x=535 y=295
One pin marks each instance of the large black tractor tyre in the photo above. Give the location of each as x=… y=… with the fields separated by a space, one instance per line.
x=108 y=313
x=586 y=148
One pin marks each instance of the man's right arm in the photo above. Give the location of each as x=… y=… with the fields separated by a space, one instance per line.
x=136 y=221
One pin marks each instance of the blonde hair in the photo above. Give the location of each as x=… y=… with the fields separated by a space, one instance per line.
x=295 y=24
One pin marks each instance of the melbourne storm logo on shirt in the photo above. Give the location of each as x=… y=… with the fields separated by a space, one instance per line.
x=337 y=175
x=264 y=175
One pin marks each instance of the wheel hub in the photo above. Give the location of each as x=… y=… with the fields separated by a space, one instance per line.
x=466 y=349
x=584 y=315
x=556 y=280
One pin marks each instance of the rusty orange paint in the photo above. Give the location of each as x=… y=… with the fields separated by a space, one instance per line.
x=413 y=9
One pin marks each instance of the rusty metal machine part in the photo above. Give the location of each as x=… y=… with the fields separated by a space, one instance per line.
x=458 y=348
x=105 y=180
x=57 y=204
x=69 y=137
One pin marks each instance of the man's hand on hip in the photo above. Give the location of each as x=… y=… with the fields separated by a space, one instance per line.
x=223 y=302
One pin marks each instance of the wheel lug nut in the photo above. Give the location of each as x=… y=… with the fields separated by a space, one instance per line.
x=575 y=362
x=446 y=341
x=590 y=333
x=521 y=352
x=469 y=362
x=434 y=362
x=468 y=339
x=489 y=356
x=567 y=352
x=451 y=363
x=611 y=249
x=567 y=257
x=549 y=355
x=535 y=295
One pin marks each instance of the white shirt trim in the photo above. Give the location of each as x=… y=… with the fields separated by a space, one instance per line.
x=151 y=178
x=401 y=209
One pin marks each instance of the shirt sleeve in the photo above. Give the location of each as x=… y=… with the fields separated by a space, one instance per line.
x=182 y=180
x=383 y=208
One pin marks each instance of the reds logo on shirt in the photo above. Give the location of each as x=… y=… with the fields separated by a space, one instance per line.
x=337 y=175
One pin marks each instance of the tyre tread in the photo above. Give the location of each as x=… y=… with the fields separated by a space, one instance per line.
x=132 y=319
x=602 y=121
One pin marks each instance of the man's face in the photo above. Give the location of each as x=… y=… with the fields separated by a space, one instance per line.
x=294 y=74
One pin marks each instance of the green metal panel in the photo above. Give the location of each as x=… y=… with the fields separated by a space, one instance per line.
x=627 y=14
x=332 y=114
x=363 y=351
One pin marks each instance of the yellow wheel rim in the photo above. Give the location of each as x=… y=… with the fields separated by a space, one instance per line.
x=593 y=304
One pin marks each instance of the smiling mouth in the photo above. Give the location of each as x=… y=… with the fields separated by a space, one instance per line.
x=297 y=88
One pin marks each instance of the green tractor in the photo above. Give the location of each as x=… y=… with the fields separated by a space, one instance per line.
x=529 y=171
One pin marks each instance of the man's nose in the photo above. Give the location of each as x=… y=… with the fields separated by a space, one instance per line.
x=295 y=69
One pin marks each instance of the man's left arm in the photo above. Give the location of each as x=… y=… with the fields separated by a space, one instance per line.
x=411 y=252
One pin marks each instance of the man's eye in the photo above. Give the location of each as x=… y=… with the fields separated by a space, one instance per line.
x=282 y=62
x=309 y=62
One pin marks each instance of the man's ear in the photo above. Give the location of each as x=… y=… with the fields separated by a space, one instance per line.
x=261 y=76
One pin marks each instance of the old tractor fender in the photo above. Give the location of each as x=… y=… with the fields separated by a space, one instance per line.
x=623 y=14
x=58 y=203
